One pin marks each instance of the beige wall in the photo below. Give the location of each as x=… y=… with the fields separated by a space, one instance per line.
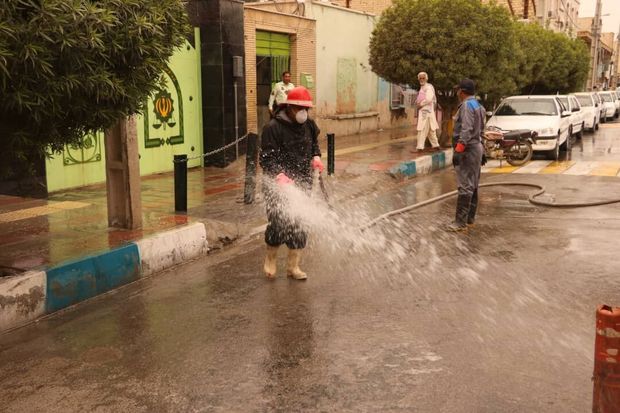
x=303 y=49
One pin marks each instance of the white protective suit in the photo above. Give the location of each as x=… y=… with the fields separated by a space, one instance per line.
x=427 y=122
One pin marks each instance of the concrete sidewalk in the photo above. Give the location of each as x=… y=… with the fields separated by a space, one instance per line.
x=59 y=251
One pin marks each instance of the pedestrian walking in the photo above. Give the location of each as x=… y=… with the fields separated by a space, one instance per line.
x=467 y=155
x=427 y=122
x=279 y=92
x=290 y=152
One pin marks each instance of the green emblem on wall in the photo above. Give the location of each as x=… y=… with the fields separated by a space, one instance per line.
x=89 y=150
x=163 y=117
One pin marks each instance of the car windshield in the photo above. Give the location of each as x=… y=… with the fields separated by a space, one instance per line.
x=585 y=100
x=606 y=97
x=527 y=107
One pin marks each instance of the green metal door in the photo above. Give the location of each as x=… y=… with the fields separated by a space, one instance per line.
x=277 y=47
x=273 y=57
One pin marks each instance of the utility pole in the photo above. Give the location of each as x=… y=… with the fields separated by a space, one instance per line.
x=594 y=50
x=616 y=68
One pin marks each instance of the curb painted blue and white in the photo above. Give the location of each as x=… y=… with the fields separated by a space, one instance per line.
x=423 y=165
x=28 y=296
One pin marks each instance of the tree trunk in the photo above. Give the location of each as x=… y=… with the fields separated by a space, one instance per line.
x=449 y=106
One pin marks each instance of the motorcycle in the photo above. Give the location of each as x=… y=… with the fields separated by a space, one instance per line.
x=513 y=146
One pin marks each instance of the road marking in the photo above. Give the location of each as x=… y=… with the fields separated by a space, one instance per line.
x=48 y=209
x=491 y=164
x=581 y=168
x=557 y=167
x=533 y=167
x=606 y=169
x=506 y=168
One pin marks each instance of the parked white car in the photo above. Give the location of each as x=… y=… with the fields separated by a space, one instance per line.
x=572 y=105
x=608 y=104
x=614 y=96
x=590 y=109
x=601 y=108
x=542 y=114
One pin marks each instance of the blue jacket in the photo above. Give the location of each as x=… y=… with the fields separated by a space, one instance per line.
x=469 y=122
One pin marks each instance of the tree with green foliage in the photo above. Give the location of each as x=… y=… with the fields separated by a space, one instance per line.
x=450 y=40
x=549 y=62
x=71 y=67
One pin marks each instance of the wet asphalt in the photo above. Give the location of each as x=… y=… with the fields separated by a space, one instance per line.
x=497 y=320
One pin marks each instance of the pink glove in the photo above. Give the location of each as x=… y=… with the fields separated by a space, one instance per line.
x=317 y=163
x=282 y=179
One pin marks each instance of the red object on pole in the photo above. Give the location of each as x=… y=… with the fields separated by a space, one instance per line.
x=606 y=397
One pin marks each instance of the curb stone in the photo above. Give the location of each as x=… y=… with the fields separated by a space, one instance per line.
x=33 y=294
x=423 y=165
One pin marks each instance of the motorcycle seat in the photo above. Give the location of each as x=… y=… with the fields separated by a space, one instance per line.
x=519 y=133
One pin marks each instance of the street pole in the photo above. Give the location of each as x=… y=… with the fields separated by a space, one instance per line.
x=596 y=34
x=617 y=67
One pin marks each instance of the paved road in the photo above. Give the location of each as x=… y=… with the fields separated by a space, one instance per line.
x=406 y=318
x=596 y=154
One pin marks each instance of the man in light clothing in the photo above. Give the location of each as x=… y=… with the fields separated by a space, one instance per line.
x=427 y=123
x=279 y=92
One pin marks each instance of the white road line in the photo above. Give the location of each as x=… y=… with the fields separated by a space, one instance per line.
x=581 y=168
x=533 y=167
x=491 y=164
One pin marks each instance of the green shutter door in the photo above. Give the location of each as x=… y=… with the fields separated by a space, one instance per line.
x=277 y=46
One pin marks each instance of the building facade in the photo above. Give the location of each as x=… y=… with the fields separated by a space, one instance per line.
x=559 y=15
x=369 y=6
x=603 y=58
x=325 y=47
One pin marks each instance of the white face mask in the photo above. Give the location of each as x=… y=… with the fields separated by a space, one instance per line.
x=302 y=116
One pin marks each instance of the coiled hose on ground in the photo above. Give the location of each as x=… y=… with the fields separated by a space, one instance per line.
x=531 y=198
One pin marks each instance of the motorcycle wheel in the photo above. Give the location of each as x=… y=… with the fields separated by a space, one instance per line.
x=519 y=154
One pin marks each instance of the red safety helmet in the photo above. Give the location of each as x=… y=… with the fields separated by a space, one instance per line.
x=299 y=96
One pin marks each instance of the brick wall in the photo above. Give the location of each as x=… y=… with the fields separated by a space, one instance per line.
x=303 y=49
x=518 y=7
x=369 y=6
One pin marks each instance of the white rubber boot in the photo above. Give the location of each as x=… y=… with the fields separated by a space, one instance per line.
x=270 y=266
x=292 y=267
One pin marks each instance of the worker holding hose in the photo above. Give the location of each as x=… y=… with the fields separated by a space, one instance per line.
x=289 y=152
x=467 y=154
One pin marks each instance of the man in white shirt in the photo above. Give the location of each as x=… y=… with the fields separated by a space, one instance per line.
x=427 y=123
x=279 y=92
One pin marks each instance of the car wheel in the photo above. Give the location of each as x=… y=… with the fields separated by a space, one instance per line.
x=566 y=145
x=554 y=154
